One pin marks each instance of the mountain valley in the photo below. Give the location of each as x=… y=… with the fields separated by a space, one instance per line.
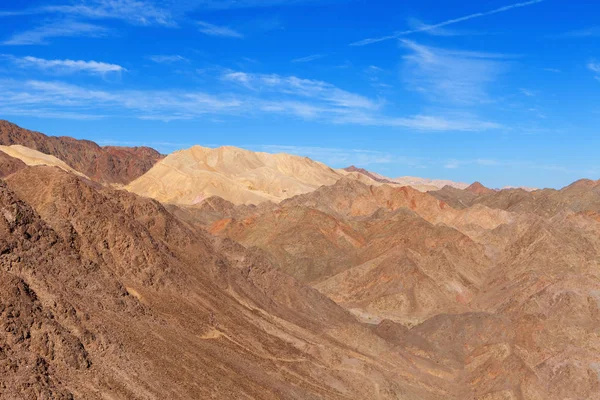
x=229 y=274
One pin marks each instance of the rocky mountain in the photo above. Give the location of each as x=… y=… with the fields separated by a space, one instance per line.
x=581 y=196
x=372 y=175
x=421 y=184
x=9 y=165
x=110 y=164
x=429 y=184
x=348 y=289
x=34 y=157
x=509 y=298
x=240 y=176
x=108 y=294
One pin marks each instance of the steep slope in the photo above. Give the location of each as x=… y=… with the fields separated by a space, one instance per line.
x=34 y=157
x=159 y=309
x=381 y=252
x=507 y=302
x=9 y=165
x=372 y=175
x=478 y=189
x=111 y=164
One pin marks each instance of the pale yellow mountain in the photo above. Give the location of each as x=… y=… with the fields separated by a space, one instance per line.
x=33 y=157
x=427 y=185
x=240 y=176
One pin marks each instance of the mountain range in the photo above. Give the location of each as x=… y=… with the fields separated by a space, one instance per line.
x=229 y=274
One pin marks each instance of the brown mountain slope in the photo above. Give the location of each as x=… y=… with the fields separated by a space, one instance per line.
x=371 y=175
x=158 y=308
x=9 y=165
x=162 y=310
x=478 y=189
x=508 y=302
x=110 y=164
x=381 y=252
x=580 y=196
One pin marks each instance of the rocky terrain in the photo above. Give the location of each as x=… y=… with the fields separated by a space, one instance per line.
x=510 y=296
x=110 y=164
x=240 y=176
x=346 y=287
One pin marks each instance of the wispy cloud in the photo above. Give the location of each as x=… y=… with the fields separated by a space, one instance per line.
x=430 y=123
x=263 y=95
x=483 y=162
x=167 y=59
x=216 y=30
x=339 y=157
x=451 y=75
x=325 y=92
x=236 y=4
x=310 y=58
x=67 y=66
x=417 y=24
x=582 y=33
x=41 y=34
x=595 y=68
x=133 y=11
x=429 y=28
x=527 y=92
x=58 y=97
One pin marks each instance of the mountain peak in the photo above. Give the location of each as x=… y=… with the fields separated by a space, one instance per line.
x=478 y=188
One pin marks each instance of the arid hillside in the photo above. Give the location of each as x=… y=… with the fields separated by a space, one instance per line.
x=110 y=164
x=354 y=289
x=240 y=176
x=511 y=294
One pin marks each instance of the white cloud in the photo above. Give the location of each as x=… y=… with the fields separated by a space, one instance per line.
x=449 y=75
x=527 y=92
x=429 y=28
x=310 y=58
x=339 y=157
x=68 y=66
x=262 y=95
x=594 y=67
x=167 y=59
x=215 y=30
x=483 y=162
x=582 y=33
x=41 y=34
x=234 y=4
x=438 y=123
x=326 y=93
x=418 y=25
x=132 y=11
x=29 y=96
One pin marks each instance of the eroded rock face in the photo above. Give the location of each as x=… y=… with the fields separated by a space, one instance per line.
x=351 y=291
x=506 y=301
x=139 y=304
x=9 y=165
x=111 y=164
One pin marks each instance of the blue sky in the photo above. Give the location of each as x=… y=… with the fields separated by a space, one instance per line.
x=499 y=91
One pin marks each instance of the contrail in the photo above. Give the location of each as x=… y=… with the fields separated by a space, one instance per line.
x=445 y=23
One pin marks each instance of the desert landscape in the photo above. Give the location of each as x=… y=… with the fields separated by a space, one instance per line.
x=299 y=200
x=125 y=275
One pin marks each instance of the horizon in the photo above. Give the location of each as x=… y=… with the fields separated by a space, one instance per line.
x=498 y=91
